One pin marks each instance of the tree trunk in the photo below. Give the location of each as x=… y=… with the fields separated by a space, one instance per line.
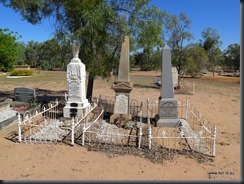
x=90 y=87
x=213 y=68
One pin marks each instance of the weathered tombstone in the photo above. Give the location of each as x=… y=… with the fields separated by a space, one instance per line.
x=7 y=115
x=24 y=94
x=76 y=77
x=5 y=105
x=122 y=86
x=175 y=76
x=221 y=72
x=168 y=108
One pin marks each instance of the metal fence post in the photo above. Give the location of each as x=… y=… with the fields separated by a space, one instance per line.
x=83 y=134
x=187 y=106
x=193 y=88
x=72 y=131
x=214 y=142
x=19 y=126
x=150 y=137
x=140 y=135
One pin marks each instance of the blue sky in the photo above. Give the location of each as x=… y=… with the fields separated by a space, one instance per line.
x=222 y=15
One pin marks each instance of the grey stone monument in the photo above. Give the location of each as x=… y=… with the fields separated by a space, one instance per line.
x=122 y=86
x=76 y=101
x=168 y=108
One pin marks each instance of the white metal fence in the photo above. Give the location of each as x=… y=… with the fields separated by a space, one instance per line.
x=195 y=133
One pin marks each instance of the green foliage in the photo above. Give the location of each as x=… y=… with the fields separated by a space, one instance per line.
x=232 y=57
x=21 y=73
x=53 y=53
x=20 y=59
x=196 y=58
x=8 y=49
x=177 y=30
x=99 y=25
x=45 y=65
x=148 y=64
x=32 y=52
x=211 y=43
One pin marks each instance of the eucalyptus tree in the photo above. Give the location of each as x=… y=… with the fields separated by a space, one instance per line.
x=211 y=43
x=32 y=53
x=21 y=59
x=8 y=49
x=232 y=56
x=196 y=59
x=99 y=25
x=177 y=34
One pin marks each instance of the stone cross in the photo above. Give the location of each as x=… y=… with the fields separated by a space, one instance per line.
x=124 y=64
x=167 y=87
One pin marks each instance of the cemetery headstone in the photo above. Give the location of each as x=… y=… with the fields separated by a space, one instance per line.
x=175 y=76
x=168 y=107
x=7 y=115
x=123 y=86
x=76 y=77
x=23 y=94
x=4 y=105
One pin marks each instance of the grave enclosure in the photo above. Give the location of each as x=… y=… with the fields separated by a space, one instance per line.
x=24 y=103
x=166 y=123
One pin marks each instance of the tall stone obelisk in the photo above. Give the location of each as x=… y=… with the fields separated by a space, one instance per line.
x=122 y=86
x=168 y=107
x=76 y=77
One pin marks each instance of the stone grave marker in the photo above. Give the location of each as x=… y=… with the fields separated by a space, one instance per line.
x=121 y=104
x=7 y=115
x=23 y=94
x=122 y=86
x=76 y=100
x=168 y=107
x=175 y=76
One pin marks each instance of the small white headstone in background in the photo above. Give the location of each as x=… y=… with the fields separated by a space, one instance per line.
x=175 y=77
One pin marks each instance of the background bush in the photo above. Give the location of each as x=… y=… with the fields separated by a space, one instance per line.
x=21 y=73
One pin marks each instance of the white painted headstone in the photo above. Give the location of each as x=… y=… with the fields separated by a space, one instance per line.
x=121 y=104
x=76 y=77
x=175 y=76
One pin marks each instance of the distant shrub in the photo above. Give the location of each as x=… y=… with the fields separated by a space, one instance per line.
x=21 y=73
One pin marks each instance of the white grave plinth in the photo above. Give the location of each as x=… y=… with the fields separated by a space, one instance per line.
x=76 y=103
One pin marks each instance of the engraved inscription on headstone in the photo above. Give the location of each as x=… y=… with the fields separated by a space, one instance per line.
x=24 y=94
x=121 y=104
x=168 y=110
x=74 y=72
x=74 y=88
